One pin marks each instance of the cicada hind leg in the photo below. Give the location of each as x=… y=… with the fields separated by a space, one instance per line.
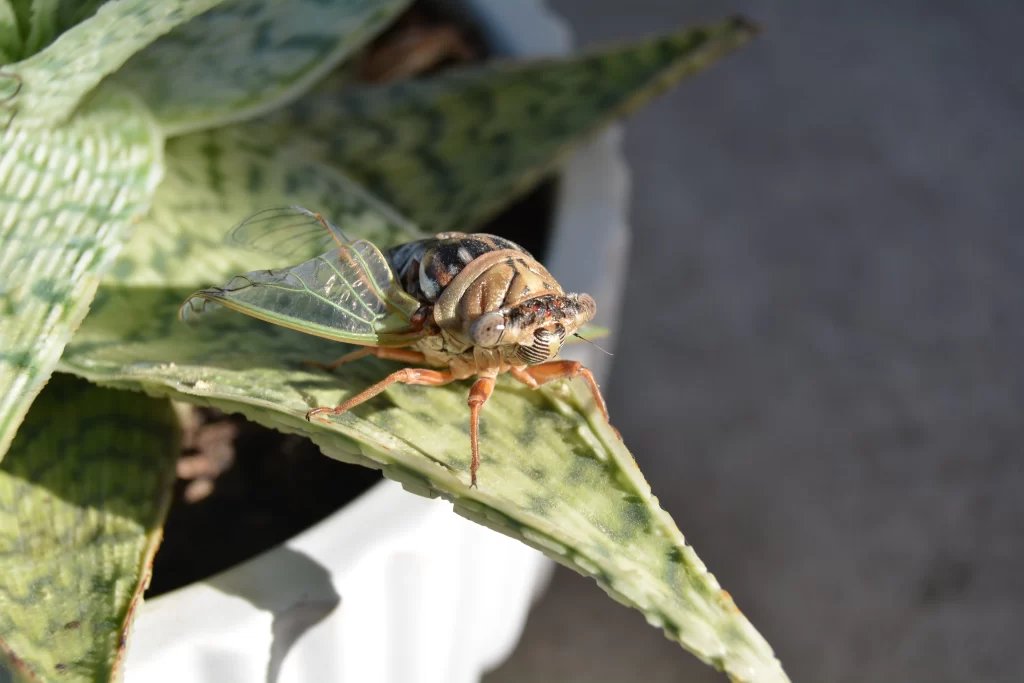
x=536 y=375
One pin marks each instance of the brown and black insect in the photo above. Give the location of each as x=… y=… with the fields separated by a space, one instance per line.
x=472 y=304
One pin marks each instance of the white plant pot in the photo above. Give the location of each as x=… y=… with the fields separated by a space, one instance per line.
x=393 y=587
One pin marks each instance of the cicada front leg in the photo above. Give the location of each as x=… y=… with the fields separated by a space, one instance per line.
x=478 y=395
x=403 y=355
x=535 y=375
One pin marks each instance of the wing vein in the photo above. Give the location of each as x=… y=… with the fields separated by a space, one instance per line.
x=349 y=285
x=328 y=301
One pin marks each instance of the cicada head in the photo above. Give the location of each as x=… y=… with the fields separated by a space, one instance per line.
x=534 y=330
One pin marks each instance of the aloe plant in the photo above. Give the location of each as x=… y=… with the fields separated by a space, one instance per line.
x=136 y=133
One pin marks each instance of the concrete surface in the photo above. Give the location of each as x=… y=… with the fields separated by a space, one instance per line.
x=822 y=364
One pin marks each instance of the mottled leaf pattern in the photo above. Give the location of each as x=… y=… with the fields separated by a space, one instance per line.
x=214 y=180
x=451 y=151
x=27 y=26
x=565 y=484
x=83 y=490
x=83 y=493
x=247 y=57
x=67 y=197
x=46 y=87
x=10 y=36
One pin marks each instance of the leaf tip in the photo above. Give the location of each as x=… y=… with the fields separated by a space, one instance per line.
x=738 y=22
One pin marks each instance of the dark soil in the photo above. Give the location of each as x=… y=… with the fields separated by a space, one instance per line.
x=279 y=485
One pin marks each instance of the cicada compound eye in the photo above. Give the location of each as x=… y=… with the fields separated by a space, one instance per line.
x=488 y=330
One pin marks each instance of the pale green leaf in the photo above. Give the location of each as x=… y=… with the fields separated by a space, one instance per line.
x=46 y=87
x=452 y=150
x=553 y=474
x=67 y=199
x=247 y=57
x=83 y=493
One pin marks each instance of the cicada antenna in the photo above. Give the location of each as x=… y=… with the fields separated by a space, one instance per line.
x=578 y=336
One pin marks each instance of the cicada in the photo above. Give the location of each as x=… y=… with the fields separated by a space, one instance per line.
x=463 y=304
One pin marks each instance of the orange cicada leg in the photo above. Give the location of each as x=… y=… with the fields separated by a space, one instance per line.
x=430 y=378
x=536 y=375
x=404 y=355
x=478 y=395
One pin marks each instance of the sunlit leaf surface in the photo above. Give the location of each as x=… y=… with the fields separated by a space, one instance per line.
x=67 y=199
x=45 y=87
x=553 y=475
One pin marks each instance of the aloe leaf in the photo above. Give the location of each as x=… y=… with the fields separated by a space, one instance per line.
x=67 y=199
x=553 y=474
x=10 y=35
x=43 y=25
x=215 y=179
x=83 y=494
x=250 y=56
x=451 y=151
x=45 y=88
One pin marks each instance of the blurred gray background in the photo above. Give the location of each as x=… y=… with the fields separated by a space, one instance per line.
x=821 y=366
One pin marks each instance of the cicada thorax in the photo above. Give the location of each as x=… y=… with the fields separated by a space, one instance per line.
x=491 y=300
x=426 y=267
x=496 y=281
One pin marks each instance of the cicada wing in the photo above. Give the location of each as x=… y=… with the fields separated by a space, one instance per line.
x=349 y=295
x=287 y=231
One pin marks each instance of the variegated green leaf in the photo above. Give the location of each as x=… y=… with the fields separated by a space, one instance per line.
x=451 y=151
x=67 y=198
x=214 y=180
x=83 y=493
x=11 y=40
x=250 y=56
x=10 y=35
x=43 y=25
x=46 y=87
x=27 y=26
x=553 y=474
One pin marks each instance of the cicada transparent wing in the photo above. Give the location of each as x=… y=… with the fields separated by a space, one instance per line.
x=349 y=294
x=287 y=231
